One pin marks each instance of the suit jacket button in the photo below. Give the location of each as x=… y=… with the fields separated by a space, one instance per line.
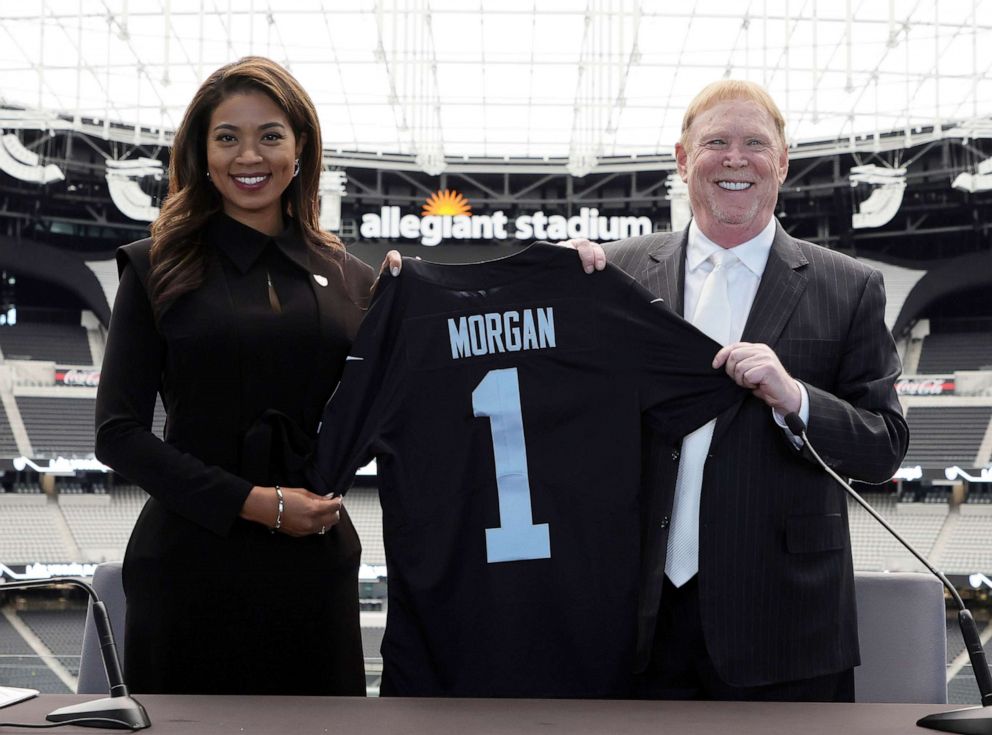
x=664 y=522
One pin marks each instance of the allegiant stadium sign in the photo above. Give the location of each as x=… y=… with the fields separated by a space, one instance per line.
x=447 y=215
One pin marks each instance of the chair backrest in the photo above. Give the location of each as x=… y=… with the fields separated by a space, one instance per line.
x=901 y=620
x=109 y=587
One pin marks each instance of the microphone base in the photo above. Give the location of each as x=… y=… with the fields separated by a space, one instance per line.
x=968 y=721
x=127 y=712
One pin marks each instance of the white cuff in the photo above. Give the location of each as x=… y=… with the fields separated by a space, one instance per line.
x=803 y=414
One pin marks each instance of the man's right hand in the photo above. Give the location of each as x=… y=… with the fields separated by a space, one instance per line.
x=591 y=253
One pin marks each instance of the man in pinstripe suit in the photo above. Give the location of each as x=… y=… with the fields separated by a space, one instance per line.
x=765 y=609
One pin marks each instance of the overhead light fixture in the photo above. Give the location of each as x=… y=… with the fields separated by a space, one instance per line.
x=580 y=163
x=884 y=201
x=23 y=164
x=981 y=180
x=430 y=158
x=125 y=190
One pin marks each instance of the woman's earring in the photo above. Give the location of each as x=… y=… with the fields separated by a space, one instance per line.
x=296 y=168
x=208 y=174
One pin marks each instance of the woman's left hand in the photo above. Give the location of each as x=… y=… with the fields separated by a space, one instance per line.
x=393 y=263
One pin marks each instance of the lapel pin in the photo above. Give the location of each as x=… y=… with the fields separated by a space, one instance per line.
x=320 y=279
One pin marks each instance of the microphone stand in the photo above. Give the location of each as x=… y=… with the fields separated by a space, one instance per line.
x=119 y=711
x=967 y=721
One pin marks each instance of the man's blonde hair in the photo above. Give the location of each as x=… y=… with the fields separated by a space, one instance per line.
x=732 y=89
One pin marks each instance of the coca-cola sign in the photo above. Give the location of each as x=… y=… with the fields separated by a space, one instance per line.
x=72 y=376
x=940 y=386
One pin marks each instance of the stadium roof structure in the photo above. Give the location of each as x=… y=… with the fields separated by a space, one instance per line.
x=433 y=84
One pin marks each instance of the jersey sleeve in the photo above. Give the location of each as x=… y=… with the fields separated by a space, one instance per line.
x=678 y=386
x=367 y=393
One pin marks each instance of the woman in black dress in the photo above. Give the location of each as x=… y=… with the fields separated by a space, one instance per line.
x=239 y=311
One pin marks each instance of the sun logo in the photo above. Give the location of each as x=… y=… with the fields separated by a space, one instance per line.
x=446 y=202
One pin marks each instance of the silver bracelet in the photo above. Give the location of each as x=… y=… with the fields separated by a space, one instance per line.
x=279 y=509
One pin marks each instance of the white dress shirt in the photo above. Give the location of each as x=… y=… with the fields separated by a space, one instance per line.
x=742 y=286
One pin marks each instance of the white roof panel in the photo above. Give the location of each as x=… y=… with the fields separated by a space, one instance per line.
x=512 y=77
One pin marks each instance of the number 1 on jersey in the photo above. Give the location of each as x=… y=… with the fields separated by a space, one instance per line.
x=517 y=538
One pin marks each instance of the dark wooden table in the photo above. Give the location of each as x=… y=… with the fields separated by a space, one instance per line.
x=355 y=716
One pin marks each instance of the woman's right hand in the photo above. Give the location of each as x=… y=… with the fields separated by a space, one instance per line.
x=304 y=513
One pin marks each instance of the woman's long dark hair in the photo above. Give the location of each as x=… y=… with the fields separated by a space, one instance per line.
x=177 y=255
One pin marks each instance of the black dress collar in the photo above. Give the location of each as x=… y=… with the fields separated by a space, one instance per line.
x=244 y=245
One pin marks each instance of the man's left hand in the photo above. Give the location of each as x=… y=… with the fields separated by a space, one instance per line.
x=757 y=368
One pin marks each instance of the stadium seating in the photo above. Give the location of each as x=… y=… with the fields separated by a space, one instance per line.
x=941 y=436
x=59 y=426
x=61 y=631
x=63 y=344
x=21 y=667
x=366 y=513
x=872 y=546
x=955 y=641
x=372 y=641
x=969 y=549
x=942 y=354
x=25 y=488
x=938 y=495
x=30 y=531
x=101 y=523
x=962 y=688
x=979 y=495
x=8 y=445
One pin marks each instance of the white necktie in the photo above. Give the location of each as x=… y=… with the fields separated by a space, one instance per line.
x=712 y=317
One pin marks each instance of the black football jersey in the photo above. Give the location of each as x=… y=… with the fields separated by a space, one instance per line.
x=503 y=402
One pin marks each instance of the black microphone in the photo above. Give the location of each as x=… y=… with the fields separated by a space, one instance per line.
x=967 y=721
x=120 y=711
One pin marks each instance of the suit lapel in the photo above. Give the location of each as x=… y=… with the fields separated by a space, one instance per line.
x=665 y=269
x=782 y=284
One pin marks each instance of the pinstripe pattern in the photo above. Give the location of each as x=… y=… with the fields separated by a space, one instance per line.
x=776 y=583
